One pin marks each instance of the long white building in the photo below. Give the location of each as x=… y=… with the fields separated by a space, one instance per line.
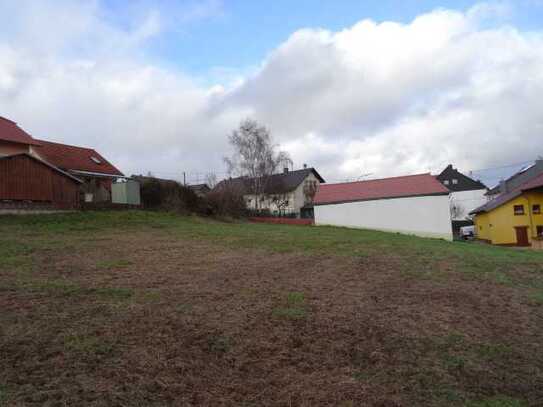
x=415 y=204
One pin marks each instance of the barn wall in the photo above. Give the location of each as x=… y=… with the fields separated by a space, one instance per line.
x=427 y=216
x=9 y=148
x=25 y=179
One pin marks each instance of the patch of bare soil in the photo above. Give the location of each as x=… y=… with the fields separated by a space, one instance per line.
x=151 y=321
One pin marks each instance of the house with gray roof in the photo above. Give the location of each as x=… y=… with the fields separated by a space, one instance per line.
x=517 y=179
x=285 y=193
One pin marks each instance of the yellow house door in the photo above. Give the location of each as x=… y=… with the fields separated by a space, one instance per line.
x=522 y=236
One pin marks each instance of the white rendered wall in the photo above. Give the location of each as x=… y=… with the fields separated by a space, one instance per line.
x=426 y=216
x=466 y=201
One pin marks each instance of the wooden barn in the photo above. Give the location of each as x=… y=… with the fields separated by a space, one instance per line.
x=30 y=183
x=43 y=175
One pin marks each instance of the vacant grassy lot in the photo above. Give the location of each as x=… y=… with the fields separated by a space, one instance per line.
x=148 y=309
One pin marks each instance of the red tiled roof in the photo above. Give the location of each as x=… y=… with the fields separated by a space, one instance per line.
x=397 y=187
x=75 y=158
x=9 y=131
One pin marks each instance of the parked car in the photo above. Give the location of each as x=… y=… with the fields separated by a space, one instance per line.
x=467 y=232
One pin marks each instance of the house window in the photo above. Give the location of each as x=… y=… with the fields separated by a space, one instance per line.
x=96 y=160
x=540 y=231
x=518 y=210
x=446 y=182
x=455 y=181
x=536 y=209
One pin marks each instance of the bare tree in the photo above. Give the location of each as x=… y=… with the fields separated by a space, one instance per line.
x=211 y=180
x=255 y=155
x=457 y=211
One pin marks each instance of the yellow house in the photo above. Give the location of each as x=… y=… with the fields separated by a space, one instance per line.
x=514 y=218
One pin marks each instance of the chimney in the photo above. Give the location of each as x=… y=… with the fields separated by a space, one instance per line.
x=503 y=187
x=285 y=170
x=305 y=166
x=539 y=163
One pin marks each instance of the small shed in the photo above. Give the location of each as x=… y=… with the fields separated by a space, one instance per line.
x=415 y=204
x=126 y=192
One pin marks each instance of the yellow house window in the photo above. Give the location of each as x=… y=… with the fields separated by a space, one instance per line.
x=536 y=209
x=518 y=210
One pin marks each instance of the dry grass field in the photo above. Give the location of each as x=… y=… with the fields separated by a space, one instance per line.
x=150 y=309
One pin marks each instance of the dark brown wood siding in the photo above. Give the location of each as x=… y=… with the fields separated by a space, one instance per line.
x=23 y=178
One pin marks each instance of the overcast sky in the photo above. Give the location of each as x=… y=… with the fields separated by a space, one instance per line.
x=397 y=88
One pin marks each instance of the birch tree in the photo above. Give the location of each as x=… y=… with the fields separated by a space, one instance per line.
x=255 y=156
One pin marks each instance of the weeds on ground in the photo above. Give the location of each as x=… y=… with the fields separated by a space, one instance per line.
x=151 y=296
x=295 y=307
x=499 y=401
x=537 y=297
x=66 y=289
x=114 y=264
x=220 y=344
x=183 y=308
x=454 y=362
x=89 y=345
x=491 y=351
x=3 y=395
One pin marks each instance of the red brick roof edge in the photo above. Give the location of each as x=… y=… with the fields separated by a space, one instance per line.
x=9 y=131
x=384 y=188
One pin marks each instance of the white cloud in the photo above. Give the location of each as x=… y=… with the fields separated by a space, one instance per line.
x=382 y=98
x=401 y=98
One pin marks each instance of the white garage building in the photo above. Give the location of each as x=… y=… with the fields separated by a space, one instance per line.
x=415 y=204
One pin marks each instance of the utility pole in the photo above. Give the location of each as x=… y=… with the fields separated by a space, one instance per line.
x=184 y=178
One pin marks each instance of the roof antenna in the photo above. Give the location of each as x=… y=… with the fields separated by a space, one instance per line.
x=364 y=176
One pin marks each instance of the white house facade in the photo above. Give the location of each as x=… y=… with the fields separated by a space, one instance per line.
x=288 y=193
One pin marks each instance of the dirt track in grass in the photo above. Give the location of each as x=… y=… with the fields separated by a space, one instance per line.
x=149 y=319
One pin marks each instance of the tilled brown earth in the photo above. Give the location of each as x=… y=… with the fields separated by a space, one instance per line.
x=149 y=320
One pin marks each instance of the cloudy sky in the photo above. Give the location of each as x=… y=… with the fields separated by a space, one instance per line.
x=393 y=88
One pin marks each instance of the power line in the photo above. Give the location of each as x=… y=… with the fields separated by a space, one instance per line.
x=200 y=176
